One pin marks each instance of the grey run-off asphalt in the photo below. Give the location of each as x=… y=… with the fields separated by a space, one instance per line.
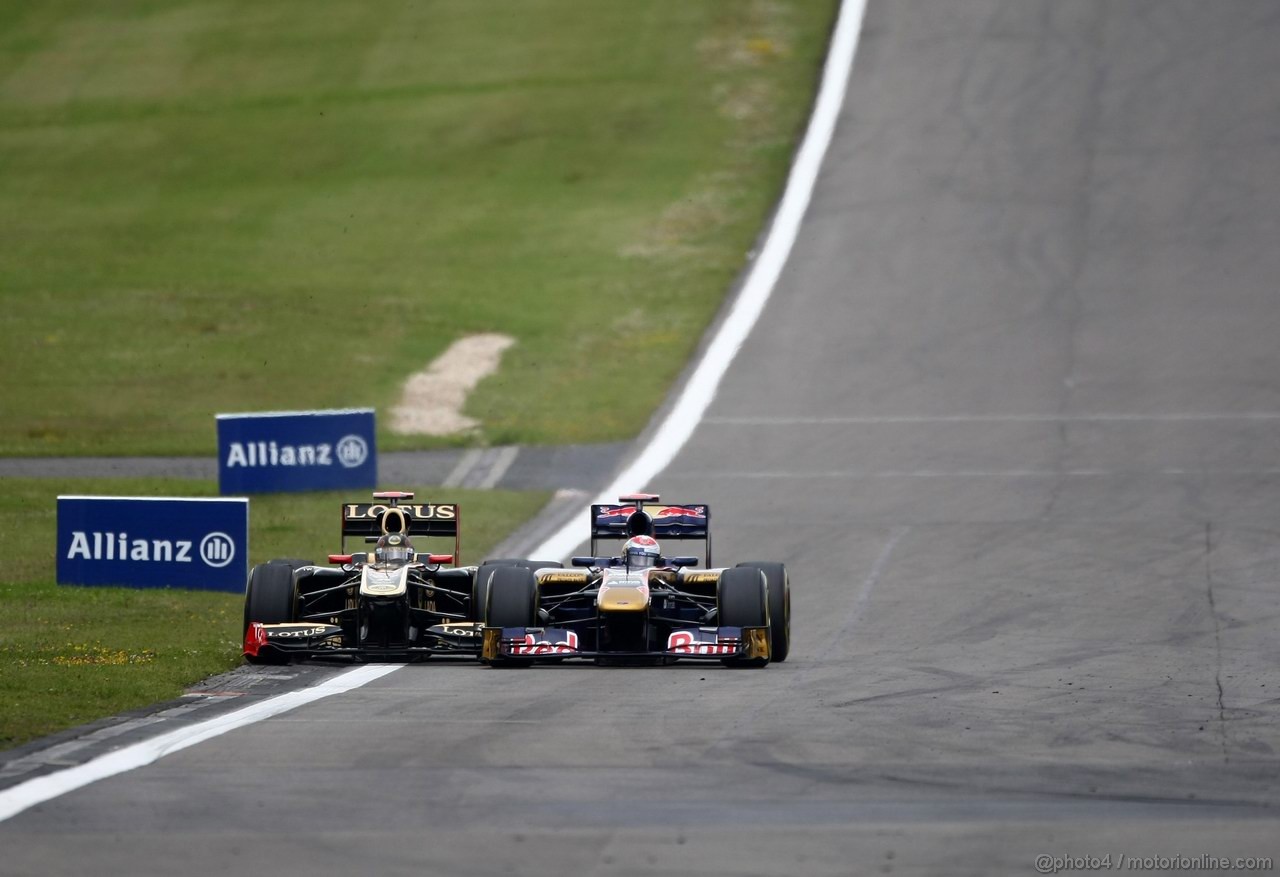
x=1010 y=419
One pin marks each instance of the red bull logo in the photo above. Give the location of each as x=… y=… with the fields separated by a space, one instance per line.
x=677 y=511
x=673 y=511
x=691 y=642
x=531 y=647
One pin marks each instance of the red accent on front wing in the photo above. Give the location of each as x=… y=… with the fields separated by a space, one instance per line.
x=254 y=638
x=530 y=646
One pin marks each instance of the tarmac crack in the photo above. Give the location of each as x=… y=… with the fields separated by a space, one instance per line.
x=1217 y=637
x=873 y=578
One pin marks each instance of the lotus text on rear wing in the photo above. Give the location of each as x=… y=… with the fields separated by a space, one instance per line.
x=423 y=512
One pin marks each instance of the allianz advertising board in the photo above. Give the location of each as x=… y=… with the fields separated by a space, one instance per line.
x=153 y=542
x=283 y=451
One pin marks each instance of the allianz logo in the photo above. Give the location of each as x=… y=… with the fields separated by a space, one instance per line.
x=215 y=549
x=351 y=451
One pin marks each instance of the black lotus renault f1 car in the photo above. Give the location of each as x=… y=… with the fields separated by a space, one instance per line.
x=392 y=602
x=640 y=606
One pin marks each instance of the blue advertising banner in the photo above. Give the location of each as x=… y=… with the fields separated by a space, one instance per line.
x=282 y=451
x=153 y=542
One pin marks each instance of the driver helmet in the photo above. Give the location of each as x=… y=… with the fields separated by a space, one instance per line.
x=641 y=552
x=393 y=548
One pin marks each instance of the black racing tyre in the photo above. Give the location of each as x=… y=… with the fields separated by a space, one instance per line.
x=743 y=598
x=779 y=606
x=512 y=602
x=268 y=595
x=513 y=598
x=269 y=599
x=480 y=590
x=480 y=587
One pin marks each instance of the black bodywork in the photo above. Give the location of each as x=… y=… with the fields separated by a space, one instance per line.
x=358 y=607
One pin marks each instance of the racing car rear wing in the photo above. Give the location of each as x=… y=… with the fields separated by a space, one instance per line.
x=636 y=517
x=370 y=520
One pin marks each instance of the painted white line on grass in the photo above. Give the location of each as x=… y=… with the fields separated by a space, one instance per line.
x=36 y=791
x=697 y=394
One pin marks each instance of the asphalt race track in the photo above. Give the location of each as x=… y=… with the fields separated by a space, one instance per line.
x=1012 y=419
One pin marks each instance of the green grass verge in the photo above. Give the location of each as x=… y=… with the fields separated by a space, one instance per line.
x=69 y=655
x=230 y=205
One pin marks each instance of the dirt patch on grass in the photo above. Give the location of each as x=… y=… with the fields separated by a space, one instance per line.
x=432 y=401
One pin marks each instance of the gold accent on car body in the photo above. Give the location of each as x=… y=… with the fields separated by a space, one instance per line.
x=665 y=577
x=755 y=641
x=623 y=593
x=301 y=629
x=563 y=577
x=375 y=582
x=623 y=599
x=491 y=645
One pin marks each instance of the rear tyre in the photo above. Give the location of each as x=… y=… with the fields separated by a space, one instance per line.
x=512 y=602
x=743 y=597
x=268 y=599
x=779 y=606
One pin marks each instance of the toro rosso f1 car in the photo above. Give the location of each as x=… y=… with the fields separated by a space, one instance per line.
x=640 y=606
x=392 y=602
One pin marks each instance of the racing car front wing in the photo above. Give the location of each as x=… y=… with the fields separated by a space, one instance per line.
x=702 y=643
x=303 y=640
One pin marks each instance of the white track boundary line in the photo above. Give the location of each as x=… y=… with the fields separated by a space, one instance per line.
x=1243 y=417
x=697 y=394
x=36 y=791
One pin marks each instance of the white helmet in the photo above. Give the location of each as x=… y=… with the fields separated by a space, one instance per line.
x=641 y=552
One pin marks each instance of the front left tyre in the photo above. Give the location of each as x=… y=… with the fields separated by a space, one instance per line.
x=779 y=582
x=512 y=602
x=743 y=600
x=484 y=578
x=512 y=599
x=269 y=599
